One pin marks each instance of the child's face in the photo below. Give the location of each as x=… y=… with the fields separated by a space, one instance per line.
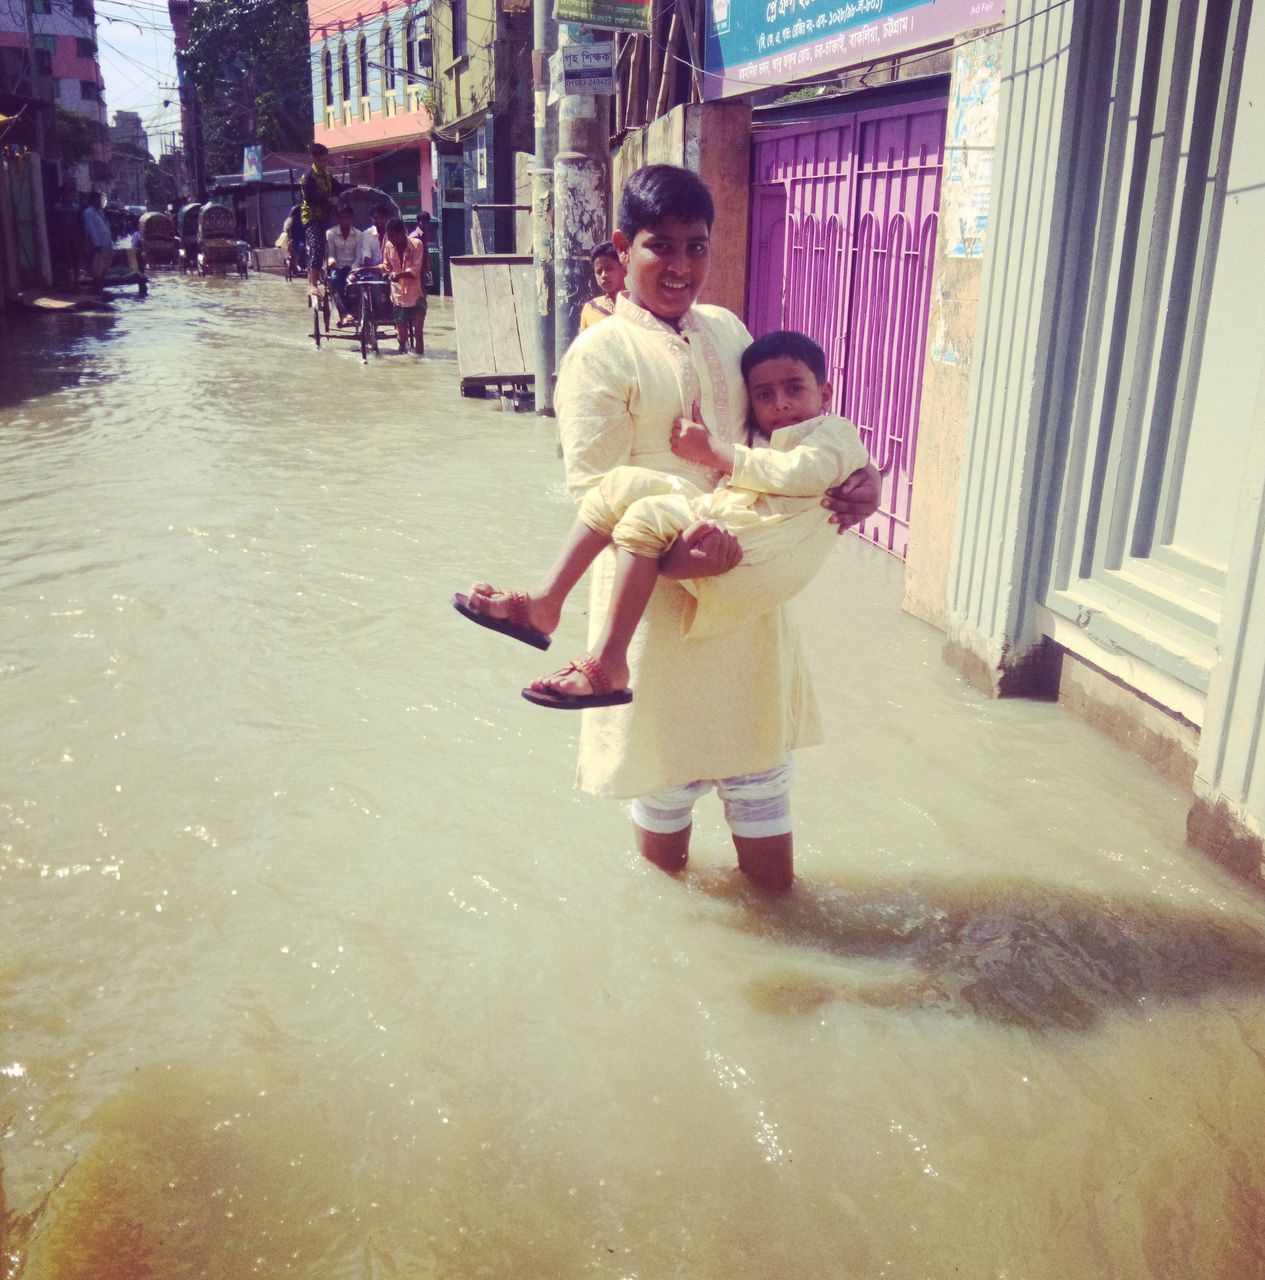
x=666 y=266
x=609 y=274
x=784 y=391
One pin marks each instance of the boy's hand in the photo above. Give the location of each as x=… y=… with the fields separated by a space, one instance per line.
x=856 y=499
x=693 y=441
x=702 y=551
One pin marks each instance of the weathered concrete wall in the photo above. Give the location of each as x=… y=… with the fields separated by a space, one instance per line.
x=971 y=134
x=714 y=140
x=1165 y=741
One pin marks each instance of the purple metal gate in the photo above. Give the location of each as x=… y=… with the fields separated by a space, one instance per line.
x=842 y=247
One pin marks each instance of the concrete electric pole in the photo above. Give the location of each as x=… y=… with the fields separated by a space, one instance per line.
x=581 y=196
x=544 y=39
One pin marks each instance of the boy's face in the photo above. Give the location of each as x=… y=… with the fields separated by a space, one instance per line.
x=666 y=265
x=344 y=221
x=784 y=391
x=609 y=274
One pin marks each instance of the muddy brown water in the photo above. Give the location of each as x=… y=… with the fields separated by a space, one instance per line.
x=314 y=964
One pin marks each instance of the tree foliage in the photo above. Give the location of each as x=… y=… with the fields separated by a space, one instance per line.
x=76 y=136
x=247 y=61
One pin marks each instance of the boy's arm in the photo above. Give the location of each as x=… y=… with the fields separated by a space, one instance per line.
x=593 y=403
x=833 y=451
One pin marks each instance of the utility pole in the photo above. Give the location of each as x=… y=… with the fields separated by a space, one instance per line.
x=542 y=237
x=581 y=185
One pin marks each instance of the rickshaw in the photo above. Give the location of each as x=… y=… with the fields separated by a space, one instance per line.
x=368 y=290
x=158 y=238
x=218 y=245
x=187 y=237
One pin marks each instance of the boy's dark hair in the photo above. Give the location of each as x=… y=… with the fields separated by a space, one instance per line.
x=381 y=208
x=395 y=226
x=604 y=250
x=662 y=191
x=317 y=150
x=785 y=342
x=347 y=209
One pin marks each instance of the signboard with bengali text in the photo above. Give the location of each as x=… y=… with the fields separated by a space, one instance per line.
x=756 y=44
x=610 y=15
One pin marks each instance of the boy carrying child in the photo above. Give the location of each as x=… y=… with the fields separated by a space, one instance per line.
x=722 y=710
x=769 y=498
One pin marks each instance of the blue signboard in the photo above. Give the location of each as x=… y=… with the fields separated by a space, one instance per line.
x=756 y=44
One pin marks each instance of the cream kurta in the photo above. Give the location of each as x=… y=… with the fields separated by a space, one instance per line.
x=710 y=707
x=771 y=504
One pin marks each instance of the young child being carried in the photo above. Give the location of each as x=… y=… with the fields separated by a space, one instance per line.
x=769 y=498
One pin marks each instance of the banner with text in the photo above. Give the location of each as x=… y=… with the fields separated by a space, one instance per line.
x=610 y=15
x=757 y=44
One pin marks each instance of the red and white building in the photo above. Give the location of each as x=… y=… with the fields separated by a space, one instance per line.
x=371 y=94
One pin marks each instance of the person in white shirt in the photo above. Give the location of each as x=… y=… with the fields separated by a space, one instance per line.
x=373 y=239
x=344 y=251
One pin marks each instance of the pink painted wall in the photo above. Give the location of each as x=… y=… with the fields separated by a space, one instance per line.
x=326 y=17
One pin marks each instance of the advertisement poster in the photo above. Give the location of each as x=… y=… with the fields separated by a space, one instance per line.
x=755 y=44
x=252 y=164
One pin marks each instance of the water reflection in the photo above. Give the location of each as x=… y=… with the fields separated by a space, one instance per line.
x=1036 y=956
x=43 y=354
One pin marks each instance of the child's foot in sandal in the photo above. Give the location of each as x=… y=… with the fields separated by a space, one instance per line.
x=517 y=614
x=586 y=682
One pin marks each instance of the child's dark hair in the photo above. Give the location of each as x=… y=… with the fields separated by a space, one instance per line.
x=785 y=342
x=662 y=191
x=395 y=227
x=604 y=250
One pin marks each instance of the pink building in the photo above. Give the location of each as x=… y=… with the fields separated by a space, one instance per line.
x=65 y=68
x=372 y=94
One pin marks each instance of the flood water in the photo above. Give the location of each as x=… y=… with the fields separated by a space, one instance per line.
x=312 y=963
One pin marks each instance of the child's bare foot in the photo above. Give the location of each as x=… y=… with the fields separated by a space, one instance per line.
x=520 y=607
x=587 y=682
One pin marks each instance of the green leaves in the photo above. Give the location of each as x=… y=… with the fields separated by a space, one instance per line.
x=248 y=63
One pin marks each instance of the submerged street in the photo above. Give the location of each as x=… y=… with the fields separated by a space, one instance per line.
x=316 y=964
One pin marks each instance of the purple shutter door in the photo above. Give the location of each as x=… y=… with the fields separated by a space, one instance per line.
x=898 y=169
x=845 y=209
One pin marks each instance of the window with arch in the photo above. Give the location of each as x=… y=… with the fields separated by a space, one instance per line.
x=362 y=65
x=458 y=28
x=388 y=58
x=344 y=72
x=425 y=59
x=329 y=78
x=410 y=48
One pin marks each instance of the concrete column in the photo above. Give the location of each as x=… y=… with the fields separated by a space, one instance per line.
x=1038 y=235
x=581 y=188
x=544 y=35
x=1228 y=816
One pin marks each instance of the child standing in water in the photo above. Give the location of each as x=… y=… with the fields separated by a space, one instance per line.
x=769 y=498
x=719 y=711
x=609 y=273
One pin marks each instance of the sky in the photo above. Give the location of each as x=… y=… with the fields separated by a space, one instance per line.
x=138 y=65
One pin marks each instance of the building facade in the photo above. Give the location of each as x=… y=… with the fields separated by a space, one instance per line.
x=50 y=47
x=130 y=154
x=373 y=96
x=485 y=129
